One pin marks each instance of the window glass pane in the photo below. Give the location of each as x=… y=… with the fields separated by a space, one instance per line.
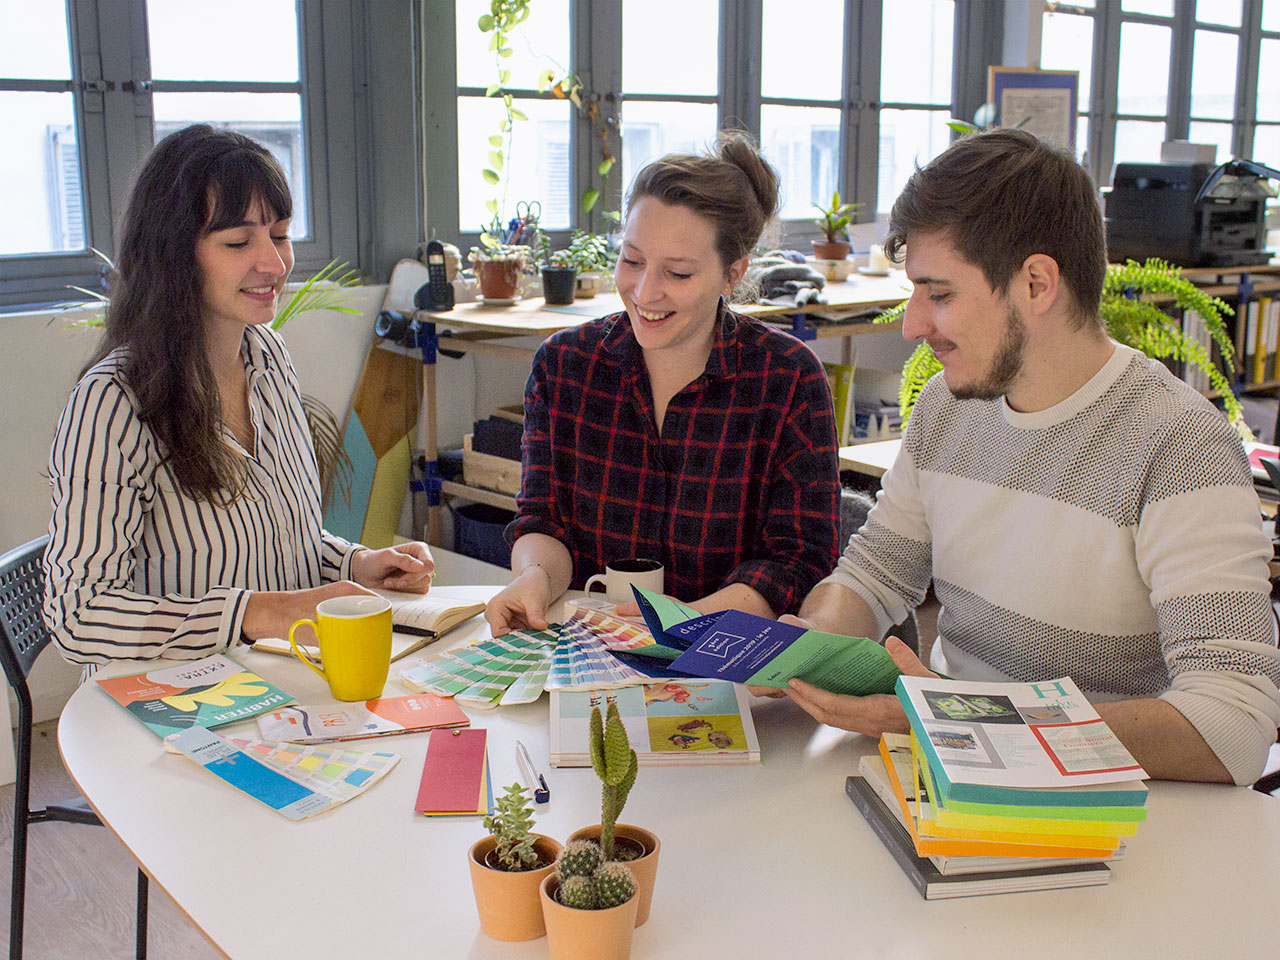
x=1271 y=15
x=536 y=163
x=1225 y=12
x=923 y=31
x=1269 y=80
x=670 y=46
x=1219 y=134
x=253 y=40
x=817 y=28
x=40 y=190
x=1156 y=8
x=1213 y=74
x=907 y=138
x=803 y=144
x=1266 y=145
x=273 y=119
x=540 y=43
x=651 y=130
x=1139 y=140
x=1143 y=84
x=1067 y=44
x=1082 y=140
x=33 y=44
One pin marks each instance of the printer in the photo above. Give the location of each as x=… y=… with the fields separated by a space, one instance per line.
x=1190 y=214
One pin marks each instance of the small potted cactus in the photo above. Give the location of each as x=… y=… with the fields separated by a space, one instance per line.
x=590 y=905
x=615 y=764
x=507 y=867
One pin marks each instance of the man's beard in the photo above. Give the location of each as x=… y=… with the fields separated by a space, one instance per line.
x=1004 y=368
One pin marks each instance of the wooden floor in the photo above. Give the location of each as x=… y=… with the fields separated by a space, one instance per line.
x=81 y=882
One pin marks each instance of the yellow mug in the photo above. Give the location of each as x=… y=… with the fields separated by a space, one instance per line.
x=355 y=645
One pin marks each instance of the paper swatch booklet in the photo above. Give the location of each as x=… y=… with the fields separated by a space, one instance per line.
x=745 y=648
x=669 y=721
x=296 y=782
x=417 y=619
x=202 y=693
x=354 y=721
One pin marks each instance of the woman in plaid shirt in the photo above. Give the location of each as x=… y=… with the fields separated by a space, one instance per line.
x=677 y=430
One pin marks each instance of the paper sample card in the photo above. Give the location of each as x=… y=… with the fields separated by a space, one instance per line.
x=455 y=774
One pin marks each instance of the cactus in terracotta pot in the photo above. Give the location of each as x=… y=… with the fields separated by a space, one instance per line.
x=615 y=763
x=587 y=882
x=510 y=825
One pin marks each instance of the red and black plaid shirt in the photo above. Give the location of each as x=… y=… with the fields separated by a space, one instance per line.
x=741 y=487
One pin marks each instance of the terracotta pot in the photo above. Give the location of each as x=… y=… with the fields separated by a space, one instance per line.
x=645 y=868
x=498 y=278
x=507 y=901
x=822 y=250
x=574 y=934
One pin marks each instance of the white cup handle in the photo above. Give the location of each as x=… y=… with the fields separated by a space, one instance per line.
x=598 y=578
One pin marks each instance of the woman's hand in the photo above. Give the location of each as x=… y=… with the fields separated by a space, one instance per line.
x=522 y=604
x=270 y=613
x=406 y=567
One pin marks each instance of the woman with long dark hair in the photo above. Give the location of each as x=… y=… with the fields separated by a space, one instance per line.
x=186 y=503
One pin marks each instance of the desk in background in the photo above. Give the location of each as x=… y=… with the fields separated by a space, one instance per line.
x=478 y=328
x=757 y=861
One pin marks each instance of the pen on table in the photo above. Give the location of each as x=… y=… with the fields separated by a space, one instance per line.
x=541 y=792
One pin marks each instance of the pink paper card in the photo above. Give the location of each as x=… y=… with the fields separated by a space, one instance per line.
x=453 y=773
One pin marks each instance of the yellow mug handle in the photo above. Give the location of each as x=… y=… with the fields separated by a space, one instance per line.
x=298 y=653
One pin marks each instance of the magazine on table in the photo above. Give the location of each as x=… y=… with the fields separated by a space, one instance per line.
x=982 y=739
x=385 y=716
x=667 y=722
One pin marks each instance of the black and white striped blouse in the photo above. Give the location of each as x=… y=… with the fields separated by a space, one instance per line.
x=134 y=568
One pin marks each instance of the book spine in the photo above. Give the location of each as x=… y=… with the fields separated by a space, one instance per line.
x=865 y=799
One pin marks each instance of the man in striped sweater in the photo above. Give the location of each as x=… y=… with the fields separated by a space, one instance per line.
x=1079 y=510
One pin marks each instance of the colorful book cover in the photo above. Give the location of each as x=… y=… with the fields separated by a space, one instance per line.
x=993 y=742
x=385 y=716
x=202 y=693
x=668 y=721
x=745 y=648
x=295 y=782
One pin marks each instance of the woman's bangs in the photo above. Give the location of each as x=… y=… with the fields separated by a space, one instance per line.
x=239 y=183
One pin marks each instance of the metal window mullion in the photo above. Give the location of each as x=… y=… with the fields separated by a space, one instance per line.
x=1247 y=80
x=324 y=56
x=860 y=121
x=1181 y=53
x=739 y=96
x=1106 y=83
x=230 y=86
x=595 y=53
x=979 y=33
x=437 y=108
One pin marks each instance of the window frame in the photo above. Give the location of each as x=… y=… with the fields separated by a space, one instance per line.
x=112 y=86
x=596 y=57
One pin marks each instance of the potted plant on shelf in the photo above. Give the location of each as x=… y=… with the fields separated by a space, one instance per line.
x=834 y=224
x=589 y=253
x=508 y=867
x=559 y=276
x=615 y=764
x=589 y=904
x=498 y=267
x=1129 y=311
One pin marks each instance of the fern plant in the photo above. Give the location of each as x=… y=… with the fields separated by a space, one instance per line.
x=1131 y=316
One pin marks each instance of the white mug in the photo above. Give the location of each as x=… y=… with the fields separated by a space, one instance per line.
x=620 y=575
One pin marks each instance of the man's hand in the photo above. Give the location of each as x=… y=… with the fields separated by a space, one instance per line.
x=406 y=567
x=271 y=613
x=521 y=604
x=871 y=715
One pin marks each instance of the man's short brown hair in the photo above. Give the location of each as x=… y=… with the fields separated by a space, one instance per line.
x=1002 y=196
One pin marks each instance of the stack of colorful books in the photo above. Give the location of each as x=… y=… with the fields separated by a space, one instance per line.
x=1001 y=787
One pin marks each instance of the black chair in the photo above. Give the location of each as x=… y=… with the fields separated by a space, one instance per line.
x=854 y=507
x=25 y=635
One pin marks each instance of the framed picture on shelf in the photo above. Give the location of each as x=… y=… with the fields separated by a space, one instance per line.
x=1043 y=102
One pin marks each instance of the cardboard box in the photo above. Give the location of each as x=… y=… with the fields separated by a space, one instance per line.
x=489 y=472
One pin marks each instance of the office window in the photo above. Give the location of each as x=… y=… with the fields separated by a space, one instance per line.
x=666 y=110
x=40 y=166
x=88 y=86
x=839 y=95
x=1200 y=70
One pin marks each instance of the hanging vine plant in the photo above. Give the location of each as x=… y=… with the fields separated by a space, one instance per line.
x=1129 y=311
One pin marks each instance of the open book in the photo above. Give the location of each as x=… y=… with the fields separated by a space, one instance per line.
x=418 y=619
